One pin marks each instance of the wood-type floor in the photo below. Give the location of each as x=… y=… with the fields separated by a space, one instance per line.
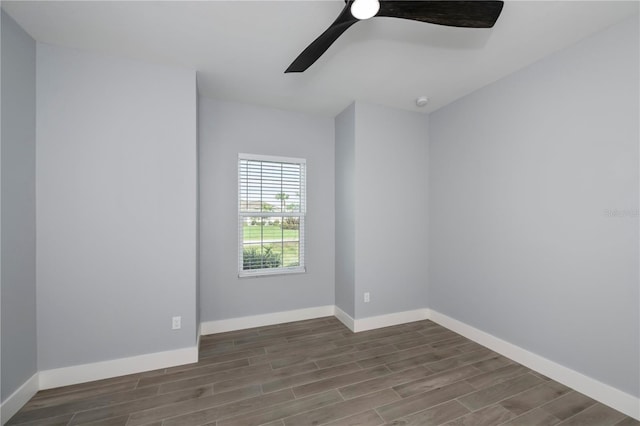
x=317 y=372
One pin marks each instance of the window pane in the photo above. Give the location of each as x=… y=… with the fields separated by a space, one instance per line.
x=252 y=229
x=270 y=187
x=291 y=253
x=252 y=256
x=270 y=242
x=291 y=241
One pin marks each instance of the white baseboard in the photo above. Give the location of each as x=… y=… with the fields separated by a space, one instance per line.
x=608 y=395
x=355 y=325
x=16 y=400
x=371 y=323
x=345 y=318
x=232 y=324
x=198 y=335
x=114 y=368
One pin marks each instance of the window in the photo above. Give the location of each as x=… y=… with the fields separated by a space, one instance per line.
x=271 y=213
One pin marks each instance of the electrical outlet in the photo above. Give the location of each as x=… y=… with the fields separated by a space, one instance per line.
x=176 y=323
x=367 y=297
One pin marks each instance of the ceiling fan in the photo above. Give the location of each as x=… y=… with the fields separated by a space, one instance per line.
x=469 y=14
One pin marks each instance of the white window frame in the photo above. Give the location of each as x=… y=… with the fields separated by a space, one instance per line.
x=301 y=268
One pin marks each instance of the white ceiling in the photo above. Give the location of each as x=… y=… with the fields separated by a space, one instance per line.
x=241 y=48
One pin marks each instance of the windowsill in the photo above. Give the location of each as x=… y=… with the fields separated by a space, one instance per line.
x=267 y=273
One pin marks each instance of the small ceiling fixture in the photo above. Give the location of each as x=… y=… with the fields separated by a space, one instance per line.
x=365 y=9
x=422 y=101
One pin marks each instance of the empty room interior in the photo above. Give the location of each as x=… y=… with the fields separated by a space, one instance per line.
x=294 y=213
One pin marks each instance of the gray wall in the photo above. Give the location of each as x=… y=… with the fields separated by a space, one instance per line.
x=345 y=213
x=391 y=209
x=19 y=336
x=225 y=130
x=534 y=208
x=381 y=206
x=116 y=182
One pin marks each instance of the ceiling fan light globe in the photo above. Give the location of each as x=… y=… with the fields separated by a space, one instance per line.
x=365 y=9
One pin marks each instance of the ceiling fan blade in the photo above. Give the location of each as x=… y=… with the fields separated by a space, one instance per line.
x=322 y=43
x=470 y=14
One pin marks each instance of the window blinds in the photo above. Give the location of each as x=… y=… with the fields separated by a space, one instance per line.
x=271 y=213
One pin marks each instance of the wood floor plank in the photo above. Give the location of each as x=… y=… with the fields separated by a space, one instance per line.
x=142 y=414
x=342 y=380
x=422 y=401
x=266 y=376
x=428 y=326
x=396 y=340
x=394 y=355
x=302 y=355
x=314 y=355
x=271 y=341
x=115 y=410
x=113 y=421
x=327 y=335
x=380 y=383
x=217 y=349
x=534 y=397
x=355 y=356
x=287 y=409
x=216 y=413
x=312 y=376
x=341 y=410
x=460 y=360
x=421 y=339
x=432 y=329
x=228 y=336
x=535 y=417
x=49 y=421
x=193 y=372
x=496 y=376
x=274 y=423
x=76 y=405
x=434 y=416
x=88 y=386
x=80 y=396
x=628 y=421
x=568 y=405
x=436 y=355
x=366 y=418
x=493 y=363
x=434 y=381
x=469 y=347
x=215 y=359
x=214 y=378
x=542 y=376
x=366 y=336
x=488 y=416
x=289 y=347
x=500 y=391
x=596 y=415
x=426 y=354
x=450 y=343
